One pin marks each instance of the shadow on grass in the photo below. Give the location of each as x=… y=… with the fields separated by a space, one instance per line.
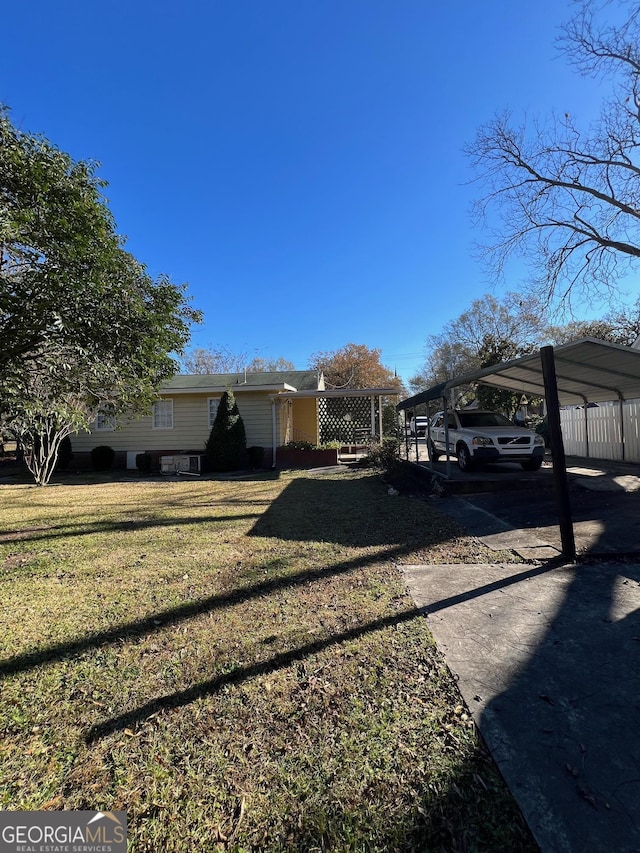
x=57 y=531
x=436 y=818
x=292 y=515
x=175 y=615
x=467 y=809
x=240 y=674
x=319 y=509
x=95 y=478
x=308 y=509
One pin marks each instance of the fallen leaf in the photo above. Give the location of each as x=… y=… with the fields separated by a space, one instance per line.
x=586 y=794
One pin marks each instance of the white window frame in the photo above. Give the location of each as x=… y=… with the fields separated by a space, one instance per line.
x=162 y=414
x=212 y=414
x=104 y=423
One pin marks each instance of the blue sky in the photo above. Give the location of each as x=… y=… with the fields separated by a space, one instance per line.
x=299 y=163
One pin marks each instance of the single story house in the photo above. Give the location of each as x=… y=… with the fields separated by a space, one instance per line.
x=276 y=408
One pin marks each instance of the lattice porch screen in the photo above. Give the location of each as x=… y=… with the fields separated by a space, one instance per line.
x=350 y=420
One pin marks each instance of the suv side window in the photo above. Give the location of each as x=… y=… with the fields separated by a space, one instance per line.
x=451 y=422
x=437 y=422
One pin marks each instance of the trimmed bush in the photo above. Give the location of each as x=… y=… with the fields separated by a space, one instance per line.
x=143 y=462
x=65 y=454
x=256 y=456
x=226 y=448
x=102 y=457
x=299 y=445
x=385 y=455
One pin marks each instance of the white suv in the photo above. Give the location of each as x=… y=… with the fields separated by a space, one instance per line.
x=477 y=436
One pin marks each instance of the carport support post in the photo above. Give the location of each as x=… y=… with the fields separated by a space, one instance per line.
x=560 y=481
x=446 y=436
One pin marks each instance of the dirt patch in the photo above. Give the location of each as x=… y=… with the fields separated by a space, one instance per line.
x=25 y=533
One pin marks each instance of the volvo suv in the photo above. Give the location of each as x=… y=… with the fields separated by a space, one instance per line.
x=478 y=436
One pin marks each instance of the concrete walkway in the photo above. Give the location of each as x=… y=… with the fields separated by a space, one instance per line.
x=548 y=660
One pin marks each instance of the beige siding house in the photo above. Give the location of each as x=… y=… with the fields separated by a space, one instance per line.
x=181 y=419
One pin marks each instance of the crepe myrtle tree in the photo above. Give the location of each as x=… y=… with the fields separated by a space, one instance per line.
x=565 y=196
x=82 y=324
x=58 y=389
x=40 y=416
x=60 y=392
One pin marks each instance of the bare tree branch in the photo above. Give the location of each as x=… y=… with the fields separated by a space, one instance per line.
x=568 y=200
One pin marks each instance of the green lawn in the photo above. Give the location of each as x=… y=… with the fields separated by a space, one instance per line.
x=237 y=665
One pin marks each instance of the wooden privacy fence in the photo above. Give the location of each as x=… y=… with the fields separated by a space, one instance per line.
x=605 y=431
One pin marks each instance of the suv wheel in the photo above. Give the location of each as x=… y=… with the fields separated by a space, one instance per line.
x=434 y=454
x=464 y=458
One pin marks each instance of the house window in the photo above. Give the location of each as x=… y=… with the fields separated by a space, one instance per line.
x=163 y=414
x=105 y=422
x=214 y=402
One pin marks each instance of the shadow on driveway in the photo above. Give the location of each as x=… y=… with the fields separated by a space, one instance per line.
x=550 y=668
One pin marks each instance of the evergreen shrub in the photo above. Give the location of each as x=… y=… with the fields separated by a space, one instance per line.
x=65 y=454
x=143 y=463
x=226 y=447
x=102 y=457
x=256 y=456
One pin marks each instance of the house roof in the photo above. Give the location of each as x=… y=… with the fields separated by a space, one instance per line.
x=343 y=393
x=281 y=380
x=587 y=371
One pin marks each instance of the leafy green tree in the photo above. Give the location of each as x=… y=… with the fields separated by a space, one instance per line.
x=619 y=327
x=494 y=352
x=84 y=327
x=226 y=447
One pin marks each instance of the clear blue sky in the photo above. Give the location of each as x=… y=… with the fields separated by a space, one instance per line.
x=298 y=162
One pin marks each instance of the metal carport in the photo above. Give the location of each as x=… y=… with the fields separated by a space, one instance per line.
x=577 y=373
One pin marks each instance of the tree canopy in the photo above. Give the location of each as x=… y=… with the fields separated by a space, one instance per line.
x=259 y=364
x=567 y=197
x=84 y=327
x=354 y=366
x=488 y=332
x=618 y=327
x=224 y=360
x=491 y=331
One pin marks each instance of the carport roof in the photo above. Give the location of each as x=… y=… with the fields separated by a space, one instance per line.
x=587 y=371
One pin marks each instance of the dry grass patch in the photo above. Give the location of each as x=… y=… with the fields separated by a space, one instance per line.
x=237 y=665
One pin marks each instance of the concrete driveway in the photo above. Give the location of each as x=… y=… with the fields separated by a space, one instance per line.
x=547 y=655
x=547 y=659
x=604 y=498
